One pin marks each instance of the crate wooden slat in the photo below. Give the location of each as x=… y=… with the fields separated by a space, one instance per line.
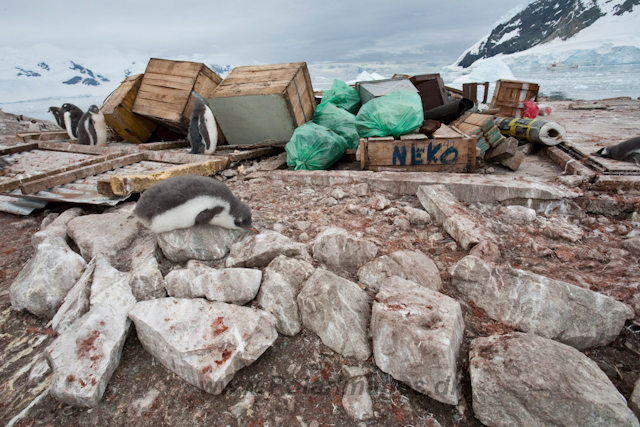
x=165 y=96
x=263 y=102
x=432 y=90
x=119 y=116
x=509 y=95
x=420 y=154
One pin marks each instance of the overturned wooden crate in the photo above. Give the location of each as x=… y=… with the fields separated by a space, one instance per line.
x=432 y=90
x=118 y=113
x=509 y=96
x=165 y=91
x=265 y=102
x=448 y=151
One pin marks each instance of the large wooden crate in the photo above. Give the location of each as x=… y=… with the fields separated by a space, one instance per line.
x=258 y=103
x=165 y=91
x=418 y=153
x=119 y=116
x=509 y=95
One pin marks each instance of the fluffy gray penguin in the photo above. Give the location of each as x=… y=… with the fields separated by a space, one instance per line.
x=627 y=151
x=92 y=129
x=187 y=200
x=55 y=112
x=203 y=132
x=71 y=115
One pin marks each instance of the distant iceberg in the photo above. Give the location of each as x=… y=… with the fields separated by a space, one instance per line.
x=366 y=76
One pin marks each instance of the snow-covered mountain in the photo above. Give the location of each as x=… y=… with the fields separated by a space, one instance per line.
x=579 y=32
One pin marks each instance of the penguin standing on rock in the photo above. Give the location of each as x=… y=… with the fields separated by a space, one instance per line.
x=55 y=112
x=186 y=200
x=203 y=132
x=92 y=129
x=71 y=115
x=627 y=151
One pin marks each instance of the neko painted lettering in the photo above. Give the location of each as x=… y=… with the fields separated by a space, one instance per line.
x=434 y=154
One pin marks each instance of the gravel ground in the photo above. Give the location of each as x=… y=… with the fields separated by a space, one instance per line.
x=297 y=381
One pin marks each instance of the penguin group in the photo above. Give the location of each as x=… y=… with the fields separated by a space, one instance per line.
x=88 y=128
x=187 y=200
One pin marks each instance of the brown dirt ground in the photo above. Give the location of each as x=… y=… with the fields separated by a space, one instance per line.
x=297 y=381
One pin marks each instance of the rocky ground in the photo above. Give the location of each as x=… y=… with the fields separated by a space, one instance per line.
x=299 y=380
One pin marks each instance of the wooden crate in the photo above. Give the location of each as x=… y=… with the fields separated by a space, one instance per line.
x=509 y=95
x=432 y=90
x=165 y=91
x=370 y=90
x=263 y=102
x=119 y=116
x=417 y=153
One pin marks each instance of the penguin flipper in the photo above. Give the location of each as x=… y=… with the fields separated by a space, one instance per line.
x=207 y=215
x=92 y=131
x=194 y=136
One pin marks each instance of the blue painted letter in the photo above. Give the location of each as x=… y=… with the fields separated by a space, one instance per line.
x=400 y=154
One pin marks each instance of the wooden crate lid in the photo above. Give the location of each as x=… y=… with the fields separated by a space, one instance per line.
x=119 y=95
x=259 y=80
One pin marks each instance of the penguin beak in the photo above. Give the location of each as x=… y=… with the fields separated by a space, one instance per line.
x=252 y=229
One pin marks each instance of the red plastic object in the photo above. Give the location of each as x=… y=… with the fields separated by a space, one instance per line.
x=531 y=109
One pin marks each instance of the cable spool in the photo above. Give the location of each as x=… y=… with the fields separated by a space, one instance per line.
x=532 y=130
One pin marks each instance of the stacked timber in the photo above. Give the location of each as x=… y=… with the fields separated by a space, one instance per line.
x=482 y=127
x=258 y=103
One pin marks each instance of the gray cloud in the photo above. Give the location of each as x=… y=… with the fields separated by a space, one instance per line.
x=257 y=31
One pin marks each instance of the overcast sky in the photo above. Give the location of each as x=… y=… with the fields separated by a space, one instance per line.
x=245 y=32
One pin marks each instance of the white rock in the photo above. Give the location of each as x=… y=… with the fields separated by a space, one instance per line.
x=87 y=354
x=338 y=311
x=519 y=214
x=282 y=281
x=205 y=343
x=417 y=334
x=532 y=303
x=76 y=303
x=105 y=276
x=356 y=400
x=418 y=217
x=56 y=228
x=39 y=371
x=231 y=285
x=414 y=266
x=45 y=280
x=525 y=380
x=360 y=190
x=634 y=399
x=146 y=278
x=105 y=234
x=258 y=250
x=557 y=228
x=632 y=245
x=338 y=194
x=381 y=203
x=202 y=242
x=337 y=248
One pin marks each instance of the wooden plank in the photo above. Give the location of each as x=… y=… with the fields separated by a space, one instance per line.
x=155 y=110
x=175 y=68
x=18 y=148
x=17 y=183
x=41 y=136
x=274 y=163
x=84 y=149
x=272 y=66
x=124 y=185
x=263 y=144
x=178 y=158
x=445 y=132
x=83 y=172
x=121 y=94
x=164 y=80
x=153 y=146
x=262 y=88
x=175 y=98
x=253 y=154
x=283 y=76
x=617 y=182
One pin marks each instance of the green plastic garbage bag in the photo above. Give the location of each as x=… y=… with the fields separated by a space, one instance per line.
x=338 y=120
x=314 y=147
x=394 y=114
x=342 y=95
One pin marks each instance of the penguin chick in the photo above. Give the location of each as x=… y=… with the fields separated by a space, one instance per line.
x=203 y=132
x=71 y=115
x=55 y=112
x=627 y=151
x=92 y=129
x=187 y=200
